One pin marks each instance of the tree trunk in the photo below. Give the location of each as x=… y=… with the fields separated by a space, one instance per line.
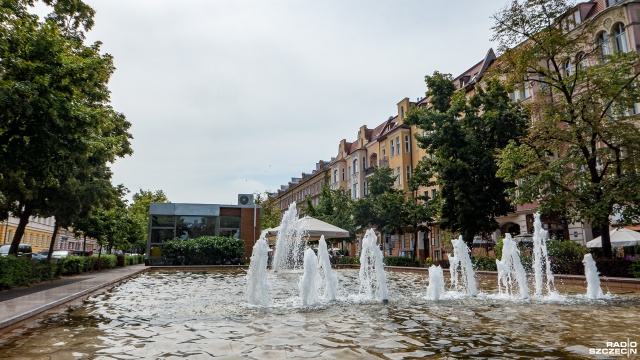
x=53 y=240
x=606 y=241
x=24 y=220
x=415 y=246
x=425 y=239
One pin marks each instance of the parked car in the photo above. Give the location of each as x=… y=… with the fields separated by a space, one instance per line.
x=41 y=255
x=23 y=250
x=81 y=252
x=59 y=254
x=524 y=240
x=479 y=242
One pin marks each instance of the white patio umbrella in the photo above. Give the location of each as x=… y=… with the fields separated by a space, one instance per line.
x=619 y=237
x=314 y=229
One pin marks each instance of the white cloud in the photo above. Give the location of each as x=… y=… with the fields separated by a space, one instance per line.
x=229 y=97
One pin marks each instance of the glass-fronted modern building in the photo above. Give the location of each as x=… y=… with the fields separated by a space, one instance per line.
x=175 y=220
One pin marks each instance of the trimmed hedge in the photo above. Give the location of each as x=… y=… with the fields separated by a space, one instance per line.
x=205 y=250
x=21 y=271
x=400 y=261
x=484 y=263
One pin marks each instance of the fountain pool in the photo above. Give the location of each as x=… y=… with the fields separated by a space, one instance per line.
x=201 y=315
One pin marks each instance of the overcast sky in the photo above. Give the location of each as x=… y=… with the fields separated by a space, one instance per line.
x=231 y=97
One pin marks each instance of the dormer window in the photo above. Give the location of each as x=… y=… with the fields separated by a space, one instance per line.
x=612 y=2
x=572 y=20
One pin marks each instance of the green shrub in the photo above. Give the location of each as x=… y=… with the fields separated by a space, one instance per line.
x=566 y=256
x=205 y=250
x=348 y=260
x=42 y=271
x=14 y=272
x=73 y=265
x=399 y=261
x=484 y=263
x=634 y=268
x=566 y=250
x=497 y=250
x=614 y=267
x=105 y=261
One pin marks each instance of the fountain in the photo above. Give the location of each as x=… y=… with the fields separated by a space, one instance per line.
x=435 y=289
x=510 y=267
x=289 y=244
x=257 y=288
x=330 y=285
x=182 y=314
x=372 y=268
x=593 y=281
x=460 y=261
x=541 y=258
x=310 y=280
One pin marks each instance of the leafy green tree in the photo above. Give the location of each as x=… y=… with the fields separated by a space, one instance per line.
x=138 y=212
x=56 y=121
x=464 y=136
x=271 y=215
x=580 y=157
x=334 y=207
x=370 y=211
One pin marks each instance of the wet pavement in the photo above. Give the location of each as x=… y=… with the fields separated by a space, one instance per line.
x=25 y=304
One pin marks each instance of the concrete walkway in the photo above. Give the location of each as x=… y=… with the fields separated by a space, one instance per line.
x=24 y=307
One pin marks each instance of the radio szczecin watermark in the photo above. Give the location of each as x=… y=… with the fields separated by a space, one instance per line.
x=619 y=348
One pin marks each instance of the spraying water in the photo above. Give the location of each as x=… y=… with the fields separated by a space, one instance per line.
x=593 y=281
x=371 y=267
x=289 y=241
x=460 y=261
x=435 y=290
x=330 y=279
x=310 y=280
x=257 y=288
x=540 y=258
x=510 y=267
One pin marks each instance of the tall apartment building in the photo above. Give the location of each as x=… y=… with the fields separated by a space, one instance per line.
x=392 y=143
x=38 y=234
x=306 y=186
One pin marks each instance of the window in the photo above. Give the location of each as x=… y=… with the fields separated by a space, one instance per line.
x=581 y=60
x=355 y=191
x=399 y=176
x=366 y=188
x=568 y=68
x=335 y=175
x=612 y=2
x=364 y=160
x=398 y=145
x=392 y=148
x=620 y=38
x=603 y=43
x=434 y=192
x=355 y=166
x=407 y=144
x=349 y=172
x=343 y=176
x=408 y=172
x=521 y=92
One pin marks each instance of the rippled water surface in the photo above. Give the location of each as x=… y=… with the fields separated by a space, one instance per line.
x=203 y=315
